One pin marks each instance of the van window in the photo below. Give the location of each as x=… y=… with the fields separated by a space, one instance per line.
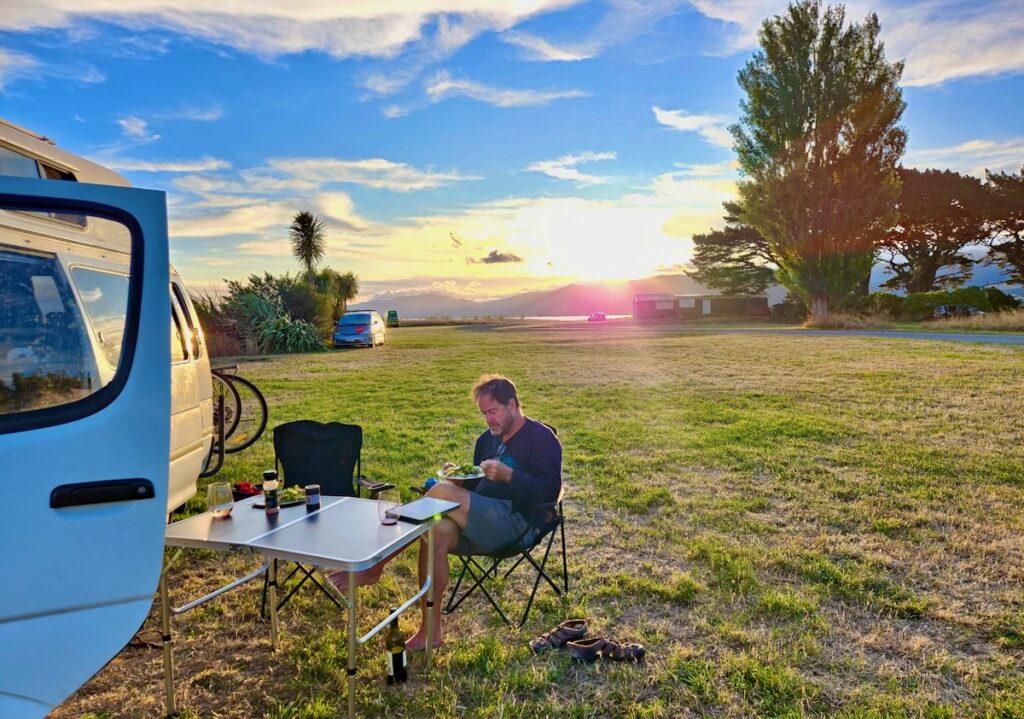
x=179 y=352
x=43 y=344
x=105 y=299
x=189 y=322
x=358 y=318
x=15 y=164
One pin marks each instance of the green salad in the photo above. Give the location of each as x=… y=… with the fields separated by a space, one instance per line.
x=462 y=470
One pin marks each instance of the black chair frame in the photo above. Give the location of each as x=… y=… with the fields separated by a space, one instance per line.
x=358 y=482
x=478 y=573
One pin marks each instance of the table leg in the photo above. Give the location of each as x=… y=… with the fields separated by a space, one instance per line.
x=165 y=627
x=352 y=644
x=430 y=594
x=272 y=595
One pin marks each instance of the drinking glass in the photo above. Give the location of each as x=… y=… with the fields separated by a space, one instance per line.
x=387 y=506
x=219 y=499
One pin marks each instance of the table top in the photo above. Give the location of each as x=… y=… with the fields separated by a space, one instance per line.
x=345 y=534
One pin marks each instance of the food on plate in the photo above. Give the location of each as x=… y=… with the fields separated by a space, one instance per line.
x=461 y=471
x=291 y=494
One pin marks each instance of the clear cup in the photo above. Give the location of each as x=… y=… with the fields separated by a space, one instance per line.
x=388 y=502
x=219 y=499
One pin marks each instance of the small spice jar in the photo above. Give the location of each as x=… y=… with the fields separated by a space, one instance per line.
x=312 y=497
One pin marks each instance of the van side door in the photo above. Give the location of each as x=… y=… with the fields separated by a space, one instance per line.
x=84 y=453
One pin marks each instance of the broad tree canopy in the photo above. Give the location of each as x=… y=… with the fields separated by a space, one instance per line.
x=818 y=141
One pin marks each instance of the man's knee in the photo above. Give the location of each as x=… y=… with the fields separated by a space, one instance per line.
x=446 y=535
x=443 y=490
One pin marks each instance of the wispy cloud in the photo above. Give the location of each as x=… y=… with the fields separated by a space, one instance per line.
x=939 y=39
x=16 y=66
x=972 y=157
x=269 y=29
x=203 y=164
x=136 y=128
x=443 y=85
x=374 y=172
x=564 y=168
x=710 y=127
x=537 y=48
x=211 y=113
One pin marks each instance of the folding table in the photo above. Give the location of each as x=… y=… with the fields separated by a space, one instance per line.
x=344 y=534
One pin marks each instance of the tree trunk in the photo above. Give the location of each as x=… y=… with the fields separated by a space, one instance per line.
x=819 y=309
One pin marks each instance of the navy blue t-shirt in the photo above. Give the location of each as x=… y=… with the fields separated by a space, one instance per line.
x=535 y=456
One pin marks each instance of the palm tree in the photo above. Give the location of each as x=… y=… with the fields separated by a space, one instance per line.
x=340 y=287
x=308 y=238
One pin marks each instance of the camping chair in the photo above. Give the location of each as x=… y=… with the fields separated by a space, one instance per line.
x=482 y=569
x=326 y=454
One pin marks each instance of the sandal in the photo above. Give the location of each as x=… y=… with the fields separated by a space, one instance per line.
x=560 y=635
x=594 y=648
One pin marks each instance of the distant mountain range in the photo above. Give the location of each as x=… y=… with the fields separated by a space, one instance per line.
x=613 y=298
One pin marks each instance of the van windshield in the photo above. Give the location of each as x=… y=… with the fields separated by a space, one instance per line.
x=362 y=318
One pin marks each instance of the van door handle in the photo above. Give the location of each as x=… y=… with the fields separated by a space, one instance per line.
x=111 y=490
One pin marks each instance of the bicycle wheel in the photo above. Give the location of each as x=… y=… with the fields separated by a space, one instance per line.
x=252 y=415
x=223 y=389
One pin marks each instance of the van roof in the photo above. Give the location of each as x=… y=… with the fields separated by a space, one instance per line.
x=42 y=148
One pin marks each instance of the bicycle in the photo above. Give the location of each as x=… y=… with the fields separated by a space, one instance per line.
x=240 y=416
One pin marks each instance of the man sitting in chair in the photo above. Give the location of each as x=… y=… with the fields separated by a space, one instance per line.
x=521 y=460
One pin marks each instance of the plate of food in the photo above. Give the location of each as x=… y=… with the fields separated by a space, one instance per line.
x=461 y=472
x=287 y=497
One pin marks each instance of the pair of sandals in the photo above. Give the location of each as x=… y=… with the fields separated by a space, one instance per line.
x=572 y=634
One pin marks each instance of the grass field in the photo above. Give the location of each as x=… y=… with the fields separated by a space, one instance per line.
x=793 y=526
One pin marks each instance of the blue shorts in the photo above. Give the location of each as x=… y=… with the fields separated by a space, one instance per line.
x=491 y=525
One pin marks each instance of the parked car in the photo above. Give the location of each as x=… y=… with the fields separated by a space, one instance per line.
x=947 y=311
x=360 y=329
x=597 y=317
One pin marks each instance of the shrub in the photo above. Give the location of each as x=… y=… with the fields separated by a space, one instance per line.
x=999 y=301
x=790 y=311
x=843 y=321
x=273 y=329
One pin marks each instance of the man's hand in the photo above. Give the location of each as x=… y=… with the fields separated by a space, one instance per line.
x=496 y=471
x=450 y=465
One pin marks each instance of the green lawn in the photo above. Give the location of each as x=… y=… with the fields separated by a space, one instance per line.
x=793 y=526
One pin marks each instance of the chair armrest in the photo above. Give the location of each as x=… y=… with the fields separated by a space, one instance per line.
x=372 y=486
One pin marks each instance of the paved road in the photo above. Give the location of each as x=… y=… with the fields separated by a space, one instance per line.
x=632 y=326
x=992 y=338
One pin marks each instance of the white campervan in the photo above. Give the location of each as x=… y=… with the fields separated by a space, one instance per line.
x=90 y=411
x=90 y=254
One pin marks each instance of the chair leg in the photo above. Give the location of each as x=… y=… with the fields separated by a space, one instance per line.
x=536 y=582
x=565 y=563
x=453 y=590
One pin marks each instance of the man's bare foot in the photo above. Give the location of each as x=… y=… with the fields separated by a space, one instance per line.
x=363 y=579
x=418 y=641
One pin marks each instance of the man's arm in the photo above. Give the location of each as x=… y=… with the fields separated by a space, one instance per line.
x=544 y=481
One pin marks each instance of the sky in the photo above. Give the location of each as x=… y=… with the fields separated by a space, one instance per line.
x=473 y=147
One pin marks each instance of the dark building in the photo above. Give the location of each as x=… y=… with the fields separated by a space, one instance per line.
x=655 y=307
x=697 y=306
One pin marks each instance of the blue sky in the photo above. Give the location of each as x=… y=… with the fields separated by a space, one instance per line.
x=475 y=147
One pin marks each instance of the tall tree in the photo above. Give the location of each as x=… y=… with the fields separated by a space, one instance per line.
x=818 y=141
x=1006 y=220
x=942 y=213
x=735 y=259
x=309 y=238
x=341 y=288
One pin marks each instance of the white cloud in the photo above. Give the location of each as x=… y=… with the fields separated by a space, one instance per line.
x=972 y=157
x=374 y=172
x=211 y=113
x=377 y=28
x=203 y=164
x=717 y=169
x=540 y=49
x=564 y=168
x=710 y=127
x=939 y=39
x=22 y=66
x=14 y=65
x=136 y=128
x=443 y=85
